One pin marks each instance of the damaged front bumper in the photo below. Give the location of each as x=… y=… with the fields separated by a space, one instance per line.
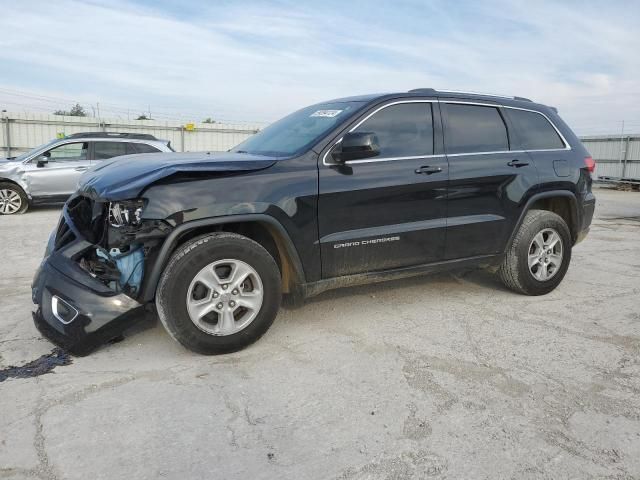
x=74 y=308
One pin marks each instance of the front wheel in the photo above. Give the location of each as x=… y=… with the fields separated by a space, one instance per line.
x=219 y=293
x=539 y=255
x=13 y=200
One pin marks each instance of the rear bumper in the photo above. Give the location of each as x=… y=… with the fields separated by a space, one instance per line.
x=74 y=309
x=588 y=208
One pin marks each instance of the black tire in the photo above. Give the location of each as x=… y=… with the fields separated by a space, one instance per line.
x=24 y=201
x=184 y=265
x=514 y=270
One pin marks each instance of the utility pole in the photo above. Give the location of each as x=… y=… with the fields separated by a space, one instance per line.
x=621 y=150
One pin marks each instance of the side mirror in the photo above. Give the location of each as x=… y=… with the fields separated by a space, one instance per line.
x=42 y=160
x=356 y=146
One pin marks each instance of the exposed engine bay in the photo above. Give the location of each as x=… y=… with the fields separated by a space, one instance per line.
x=122 y=241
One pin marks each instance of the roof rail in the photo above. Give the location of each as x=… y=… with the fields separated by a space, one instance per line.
x=429 y=91
x=433 y=90
x=137 y=136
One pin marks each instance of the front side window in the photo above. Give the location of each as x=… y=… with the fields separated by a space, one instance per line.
x=104 y=150
x=69 y=152
x=535 y=131
x=403 y=130
x=296 y=133
x=475 y=129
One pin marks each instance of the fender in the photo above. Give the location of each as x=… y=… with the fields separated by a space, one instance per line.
x=170 y=243
x=539 y=196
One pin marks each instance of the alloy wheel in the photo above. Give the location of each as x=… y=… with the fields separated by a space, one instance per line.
x=225 y=297
x=545 y=254
x=10 y=201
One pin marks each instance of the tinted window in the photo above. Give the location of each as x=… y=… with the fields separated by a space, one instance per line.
x=104 y=150
x=472 y=128
x=535 y=131
x=144 y=148
x=297 y=132
x=69 y=152
x=403 y=130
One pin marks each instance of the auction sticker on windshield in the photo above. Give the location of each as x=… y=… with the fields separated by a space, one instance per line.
x=326 y=113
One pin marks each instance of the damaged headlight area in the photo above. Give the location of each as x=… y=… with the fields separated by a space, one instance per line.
x=122 y=242
x=125 y=213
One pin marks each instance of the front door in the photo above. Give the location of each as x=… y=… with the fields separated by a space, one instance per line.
x=58 y=177
x=388 y=211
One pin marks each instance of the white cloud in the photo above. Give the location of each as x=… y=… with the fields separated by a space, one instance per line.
x=257 y=62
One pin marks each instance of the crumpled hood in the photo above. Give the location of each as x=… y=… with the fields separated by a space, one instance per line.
x=125 y=177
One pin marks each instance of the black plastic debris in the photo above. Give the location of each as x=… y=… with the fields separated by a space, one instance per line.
x=40 y=366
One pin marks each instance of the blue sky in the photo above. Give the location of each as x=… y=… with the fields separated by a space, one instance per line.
x=258 y=60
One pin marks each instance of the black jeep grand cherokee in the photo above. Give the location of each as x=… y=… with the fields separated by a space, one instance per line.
x=348 y=191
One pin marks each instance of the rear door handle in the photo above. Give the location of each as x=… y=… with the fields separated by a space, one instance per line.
x=427 y=170
x=517 y=163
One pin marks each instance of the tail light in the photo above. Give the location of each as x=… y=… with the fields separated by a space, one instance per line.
x=590 y=163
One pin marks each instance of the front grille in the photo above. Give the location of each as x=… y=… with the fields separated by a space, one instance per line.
x=64 y=235
x=82 y=219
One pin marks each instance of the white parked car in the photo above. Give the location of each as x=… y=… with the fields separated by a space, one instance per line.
x=49 y=173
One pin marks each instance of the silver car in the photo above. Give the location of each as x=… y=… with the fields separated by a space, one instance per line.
x=50 y=173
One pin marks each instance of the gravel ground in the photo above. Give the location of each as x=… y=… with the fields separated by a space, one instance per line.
x=449 y=376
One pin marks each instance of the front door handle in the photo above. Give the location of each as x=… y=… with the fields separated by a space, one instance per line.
x=81 y=169
x=517 y=163
x=427 y=170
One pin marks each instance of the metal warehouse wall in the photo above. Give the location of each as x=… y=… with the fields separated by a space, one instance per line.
x=20 y=132
x=616 y=157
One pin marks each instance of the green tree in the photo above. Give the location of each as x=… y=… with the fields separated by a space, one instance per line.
x=76 y=111
x=209 y=120
x=143 y=117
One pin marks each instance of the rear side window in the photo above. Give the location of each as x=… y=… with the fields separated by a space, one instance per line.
x=403 y=130
x=104 y=150
x=475 y=129
x=144 y=148
x=534 y=131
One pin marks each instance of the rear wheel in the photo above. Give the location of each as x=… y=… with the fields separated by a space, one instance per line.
x=13 y=200
x=539 y=255
x=219 y=293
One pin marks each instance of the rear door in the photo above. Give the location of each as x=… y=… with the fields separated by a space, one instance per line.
x=488 y=177
x=546 y=146
x=388 y=211
x=59 y=176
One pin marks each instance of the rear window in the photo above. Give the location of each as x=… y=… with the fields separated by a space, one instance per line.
x=534 y=131
x=475 y=129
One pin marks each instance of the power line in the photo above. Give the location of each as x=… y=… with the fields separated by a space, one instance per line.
x=160 y=112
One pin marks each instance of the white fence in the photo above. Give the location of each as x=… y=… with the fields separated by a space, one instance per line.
x=20 y=132
x=617 y=157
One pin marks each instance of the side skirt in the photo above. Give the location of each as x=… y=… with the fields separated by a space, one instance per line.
x=482 y=261
x=49 y=199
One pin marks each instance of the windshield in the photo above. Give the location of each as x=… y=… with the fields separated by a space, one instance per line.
x=295 y=133
x=23 y=156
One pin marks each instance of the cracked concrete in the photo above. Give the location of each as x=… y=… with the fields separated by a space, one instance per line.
x=449 y=376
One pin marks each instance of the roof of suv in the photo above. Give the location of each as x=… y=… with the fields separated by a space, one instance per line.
x=114 y=135
x=431 y=92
